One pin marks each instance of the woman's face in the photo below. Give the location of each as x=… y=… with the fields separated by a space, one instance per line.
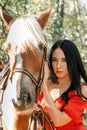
x=59 y=64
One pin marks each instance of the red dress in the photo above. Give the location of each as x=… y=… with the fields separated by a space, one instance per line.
x=74 y=109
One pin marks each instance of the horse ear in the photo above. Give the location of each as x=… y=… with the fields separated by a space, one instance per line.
x=43 y=18
x=6 y=18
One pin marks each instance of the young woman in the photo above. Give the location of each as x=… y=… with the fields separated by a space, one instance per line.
x=64 y=96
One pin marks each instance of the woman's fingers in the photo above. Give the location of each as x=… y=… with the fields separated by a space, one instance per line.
x=46 y=71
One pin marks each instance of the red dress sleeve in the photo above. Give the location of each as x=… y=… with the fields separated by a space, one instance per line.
x=40 y=97
x=75 y=107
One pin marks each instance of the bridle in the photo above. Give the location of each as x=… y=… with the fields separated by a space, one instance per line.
x=41 y=75
x=39 y=114
x=35 y=114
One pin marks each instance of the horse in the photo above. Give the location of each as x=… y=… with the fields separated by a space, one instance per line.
x=26 y=47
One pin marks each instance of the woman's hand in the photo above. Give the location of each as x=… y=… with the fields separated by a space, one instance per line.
x=46 y=71
x=35 y=108
x=46 y=75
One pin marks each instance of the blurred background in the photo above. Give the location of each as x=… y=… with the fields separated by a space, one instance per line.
x=68 y=19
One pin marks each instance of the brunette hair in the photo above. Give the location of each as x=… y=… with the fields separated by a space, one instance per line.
x=74 y=64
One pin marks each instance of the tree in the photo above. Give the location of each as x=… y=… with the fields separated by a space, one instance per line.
x=68 y=20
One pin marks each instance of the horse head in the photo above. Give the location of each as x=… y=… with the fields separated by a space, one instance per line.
x=26 y=47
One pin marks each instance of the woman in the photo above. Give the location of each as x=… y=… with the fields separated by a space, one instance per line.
x=63 y=96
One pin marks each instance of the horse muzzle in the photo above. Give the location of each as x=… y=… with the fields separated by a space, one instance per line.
x=23 y=102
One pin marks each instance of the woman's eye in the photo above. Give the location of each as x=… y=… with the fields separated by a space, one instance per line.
x=63 y=59
x=54 y=60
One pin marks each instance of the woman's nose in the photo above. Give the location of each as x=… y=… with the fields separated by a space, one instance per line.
x=58 y=64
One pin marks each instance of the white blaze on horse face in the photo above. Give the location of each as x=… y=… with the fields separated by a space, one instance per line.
x=15 y=60
x=7 y=103
x=19 y=61
x=12 y=62
x=16 y=76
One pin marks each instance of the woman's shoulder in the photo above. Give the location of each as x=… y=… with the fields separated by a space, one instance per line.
x=84 y=89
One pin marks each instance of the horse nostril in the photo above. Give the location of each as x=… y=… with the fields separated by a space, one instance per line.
x=26 y=98
x=29 y=98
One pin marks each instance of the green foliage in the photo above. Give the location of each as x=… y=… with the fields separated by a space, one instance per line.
x=3 y=57
x=67 y=20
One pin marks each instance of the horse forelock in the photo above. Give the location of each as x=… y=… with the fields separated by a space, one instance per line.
x=25 y=31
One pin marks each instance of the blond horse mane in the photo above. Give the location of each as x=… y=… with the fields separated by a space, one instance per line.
x=24 y=32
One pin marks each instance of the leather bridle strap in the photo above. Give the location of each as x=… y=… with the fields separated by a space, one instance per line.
x=45 y=118
x=41 y=75
x=42 y=117
x=22 y=70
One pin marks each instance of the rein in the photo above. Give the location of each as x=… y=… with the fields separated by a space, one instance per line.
x=35 y=114
x=41 y=116
x=3 y=83
x=4 y=77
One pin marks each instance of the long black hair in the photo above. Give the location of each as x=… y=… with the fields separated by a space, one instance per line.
x=74 y=64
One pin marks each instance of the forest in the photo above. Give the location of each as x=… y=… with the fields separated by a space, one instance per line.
x=68 y=19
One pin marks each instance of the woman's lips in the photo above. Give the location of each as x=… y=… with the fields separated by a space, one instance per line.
x=58 y=71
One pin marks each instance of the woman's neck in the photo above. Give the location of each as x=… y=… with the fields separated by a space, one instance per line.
x=56 y=90
x=64 y=83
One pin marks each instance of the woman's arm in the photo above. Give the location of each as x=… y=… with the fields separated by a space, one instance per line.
x=59 y=118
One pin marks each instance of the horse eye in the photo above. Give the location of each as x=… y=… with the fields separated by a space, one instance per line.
x=41 y=47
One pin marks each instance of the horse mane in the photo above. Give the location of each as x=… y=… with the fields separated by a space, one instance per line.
x=24 y=32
